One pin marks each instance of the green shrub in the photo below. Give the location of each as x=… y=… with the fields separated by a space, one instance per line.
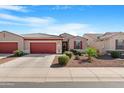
x=77 y=57
x=76 y=52
x=68 y=53
x=91 y=52
x=115 y=54
x=18 y=53
x=79 y=53
x=63 y=60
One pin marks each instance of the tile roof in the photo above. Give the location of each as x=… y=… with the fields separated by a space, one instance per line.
x=109 y=34
x=11 y=33
x=39 y=35
x=95 y=36
x=66 y=34
x=69 y=36
x=103 y=36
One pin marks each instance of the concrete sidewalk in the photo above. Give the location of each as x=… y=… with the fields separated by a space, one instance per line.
x=88 y=74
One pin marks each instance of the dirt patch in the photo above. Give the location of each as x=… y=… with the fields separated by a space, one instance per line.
x=96 y=62
x=4 y=60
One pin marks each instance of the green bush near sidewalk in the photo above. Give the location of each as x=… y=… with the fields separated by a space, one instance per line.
x=63 y=60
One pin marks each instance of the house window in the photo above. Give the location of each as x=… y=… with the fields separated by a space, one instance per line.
x=77 y=44
x=120 y=44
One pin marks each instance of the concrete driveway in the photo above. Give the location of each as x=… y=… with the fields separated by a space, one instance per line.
x=4 y=55
x=30 y=61
x=36 y=68
x=33 y=67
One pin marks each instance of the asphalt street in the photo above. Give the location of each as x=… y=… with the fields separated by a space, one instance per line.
x=63 y=85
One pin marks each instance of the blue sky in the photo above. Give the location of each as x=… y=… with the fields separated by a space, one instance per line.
x=56 y=19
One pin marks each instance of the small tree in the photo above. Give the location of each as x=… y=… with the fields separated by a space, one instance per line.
x=91 y=52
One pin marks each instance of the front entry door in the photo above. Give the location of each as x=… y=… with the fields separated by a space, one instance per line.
x=64 y=46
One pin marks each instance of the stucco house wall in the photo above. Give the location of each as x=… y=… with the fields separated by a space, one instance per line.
x=91 y=39
x=99 y=45
x=71 y=42
x=112 y=41
x=10 y=37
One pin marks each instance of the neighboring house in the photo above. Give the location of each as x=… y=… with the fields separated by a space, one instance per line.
x=91 y=38
x=73 y=42
x=30 y=43
x=106 y=42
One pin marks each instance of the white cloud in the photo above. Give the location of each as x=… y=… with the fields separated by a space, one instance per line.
x=11 y=23
x=44 y=25
x=13 y=8
x=9 y=17
x=61 y=7
x=30 y=21
x=71 y=28
x=35 y=21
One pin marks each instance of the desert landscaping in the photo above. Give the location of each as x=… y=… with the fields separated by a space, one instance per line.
x=81 y=60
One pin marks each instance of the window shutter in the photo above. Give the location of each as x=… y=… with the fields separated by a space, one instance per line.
x=116 y=41
x=74 y=44
x=123 y=44
x=81 y=45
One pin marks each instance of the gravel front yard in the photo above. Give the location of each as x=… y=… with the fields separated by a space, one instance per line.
x=96 y=62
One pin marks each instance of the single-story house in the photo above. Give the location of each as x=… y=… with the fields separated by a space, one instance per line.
x=73 y=42
x=106 y=42
x=45 y=43
x=30 y=43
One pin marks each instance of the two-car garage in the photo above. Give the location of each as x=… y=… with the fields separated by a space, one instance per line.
x=30 y=43
x=35 y=48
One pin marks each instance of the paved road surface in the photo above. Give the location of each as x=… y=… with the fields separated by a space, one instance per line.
x=64 y=85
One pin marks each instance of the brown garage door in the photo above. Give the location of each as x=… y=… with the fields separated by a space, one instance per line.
x=8 y=47
x=43 y=47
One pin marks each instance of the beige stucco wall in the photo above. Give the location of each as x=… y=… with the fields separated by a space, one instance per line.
x=100 y=46
x=9 y=37
x=91 y=39
x=58 y=45
x=71 y=42
x=112 y=41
